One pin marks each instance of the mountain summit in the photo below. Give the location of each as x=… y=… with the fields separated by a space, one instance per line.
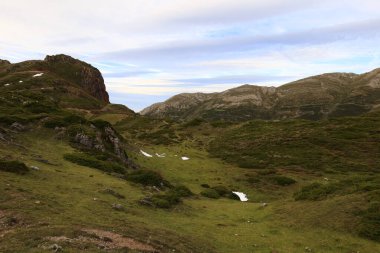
x=59 y=72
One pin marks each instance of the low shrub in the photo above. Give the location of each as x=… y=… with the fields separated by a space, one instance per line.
x=55 y=122
x=194 y=122
x=282 y=180
x=14 y=167
x=222 y=190
x=147 y=177
x=99 y=123
x=89 y=161
x=75 y=119
x=315 y=191
x=210 y=193
x=39 y=108
x=264 y=172
x=75 y=123
x=205 y=185
x=8 y=120
x=160 y=202
x=182 y=191
x=233 y=196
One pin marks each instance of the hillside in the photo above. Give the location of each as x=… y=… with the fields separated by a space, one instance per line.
x=317 y=97
x=79 y=174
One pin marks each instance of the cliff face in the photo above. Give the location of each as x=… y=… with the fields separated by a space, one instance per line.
x=79 y=72
x=316 y=97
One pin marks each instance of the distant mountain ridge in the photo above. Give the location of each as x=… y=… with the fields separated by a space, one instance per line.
x=316 y=97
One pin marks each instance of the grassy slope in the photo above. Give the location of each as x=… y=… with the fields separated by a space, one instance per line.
x=67 y=193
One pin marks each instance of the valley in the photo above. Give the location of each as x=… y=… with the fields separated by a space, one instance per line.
x=73 y=177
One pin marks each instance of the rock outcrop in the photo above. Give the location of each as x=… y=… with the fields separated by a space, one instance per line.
x=85 y=75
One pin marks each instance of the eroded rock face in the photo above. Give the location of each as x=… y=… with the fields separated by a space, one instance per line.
x=85 y=75
x=117 y=145
x=89 y=142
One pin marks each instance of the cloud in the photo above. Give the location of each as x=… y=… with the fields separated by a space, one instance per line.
x=367 y=29
x=158 y=48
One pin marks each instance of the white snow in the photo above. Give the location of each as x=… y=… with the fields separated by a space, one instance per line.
x=161 y=156
x=20 y=81
x=145 y=154
x=7 y=84
x=185 y=158
x=38 y=75
x=242 y=196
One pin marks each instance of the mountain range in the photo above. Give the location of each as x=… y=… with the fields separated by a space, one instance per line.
x=316 y=97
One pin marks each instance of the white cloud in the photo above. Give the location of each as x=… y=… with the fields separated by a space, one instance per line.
x=156 y=44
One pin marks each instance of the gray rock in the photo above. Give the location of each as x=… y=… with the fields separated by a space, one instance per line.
x=118 y=207
x=17 y=126
x=55 y=248
x=34 y=168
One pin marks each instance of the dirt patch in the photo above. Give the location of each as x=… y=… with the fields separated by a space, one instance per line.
x=106 y=240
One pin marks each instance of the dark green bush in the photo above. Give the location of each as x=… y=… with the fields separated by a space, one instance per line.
x=69 y=120
x=99 y=123
x=232 y=195
x=169 y=198
x=89 y=161
x=75 y=119
x=160 y=202
x=315 y=191
x=8 y=120
x=222 y=190
x=39 y=108
x=55 y=122
x=264 y=172
x=14 y=167
x=147 y=177
x=194 y=122
x=182 y=191
x=282 y=180
x=210 y=193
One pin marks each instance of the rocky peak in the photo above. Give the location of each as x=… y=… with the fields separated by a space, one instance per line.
x=81 y=73
x=4 y=62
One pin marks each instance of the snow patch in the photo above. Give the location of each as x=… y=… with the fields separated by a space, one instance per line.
x=161 y=156
x=7 y=84
x=185 y=158
x=20 y=81
x=145 y=154
x=242 y=196
x=38 y=75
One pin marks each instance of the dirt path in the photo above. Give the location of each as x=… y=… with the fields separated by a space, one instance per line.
x=107 y=239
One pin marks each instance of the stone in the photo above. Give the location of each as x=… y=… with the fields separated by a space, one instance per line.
x=17 y=126
x=55 y=248
x=118 y=207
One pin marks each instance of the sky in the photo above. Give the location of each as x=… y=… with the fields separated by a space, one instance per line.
x=149 y=50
